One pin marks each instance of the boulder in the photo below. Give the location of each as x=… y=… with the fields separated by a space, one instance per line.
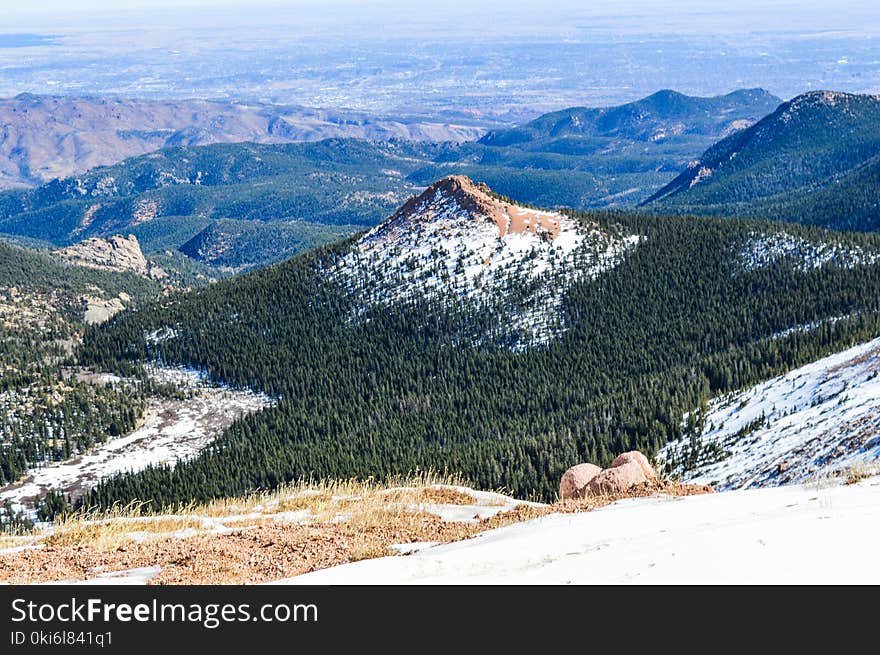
x=638 y=458
x=576 y=479
x=617 y=479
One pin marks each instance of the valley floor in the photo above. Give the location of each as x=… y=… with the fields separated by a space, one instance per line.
x=171 y=430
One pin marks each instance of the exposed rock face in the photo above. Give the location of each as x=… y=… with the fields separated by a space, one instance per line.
x=576 y=479
x=476 y=199
x=115 y=253
x=97 y=310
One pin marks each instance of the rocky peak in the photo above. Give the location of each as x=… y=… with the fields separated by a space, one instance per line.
x=462 y=248
x=115 y=253
x=458 y=194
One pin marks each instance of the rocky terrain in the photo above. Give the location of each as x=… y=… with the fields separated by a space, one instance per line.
x=115 y=253
x=434 y=531
x=627 y=470
x=271 y=536
x=822 y=534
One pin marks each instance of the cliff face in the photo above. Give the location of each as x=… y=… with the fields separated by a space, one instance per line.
x=115 y=253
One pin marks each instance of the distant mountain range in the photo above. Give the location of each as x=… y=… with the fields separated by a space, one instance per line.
x=45 y=137
x=663 y=117
x=237 y=206
x=815 y=160
x=252 y=197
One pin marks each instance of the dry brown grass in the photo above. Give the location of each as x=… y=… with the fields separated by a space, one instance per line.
x=858 y=472
x=850 y=475
x=13 y=541
x=319 y=497
x=109 y=533
x=438 y=495
x=366 y=504
x=347 y=521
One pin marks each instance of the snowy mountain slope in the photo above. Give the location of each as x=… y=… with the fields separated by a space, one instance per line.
x=456 y=241
x=794 y=534
x=763 y=250
x=818 y=419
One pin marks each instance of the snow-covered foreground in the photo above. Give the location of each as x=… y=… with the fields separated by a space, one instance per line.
x=818 y=419
x=173 y=430
x=794 y=534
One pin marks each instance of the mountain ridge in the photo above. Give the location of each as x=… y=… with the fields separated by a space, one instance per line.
x=388 y=356
x=813 y=150
x=653 y=118
x=458 y=242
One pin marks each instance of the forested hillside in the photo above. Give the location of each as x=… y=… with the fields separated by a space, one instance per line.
x=700 y=306
x=815 y=160
x=322 y=182
x=666 y=117
x=47 y=412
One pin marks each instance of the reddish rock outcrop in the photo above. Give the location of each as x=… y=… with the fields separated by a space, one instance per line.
x=617 y=479
x=576 y=479
x=638 y=458
x=626 y=471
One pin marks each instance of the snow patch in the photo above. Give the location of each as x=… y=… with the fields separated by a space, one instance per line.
x=172 y=430
x=763 y=250
x=137 y=576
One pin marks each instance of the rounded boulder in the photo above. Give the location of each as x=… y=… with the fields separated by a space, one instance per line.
x=617 y=479
x=575 y=481
x=638 y=458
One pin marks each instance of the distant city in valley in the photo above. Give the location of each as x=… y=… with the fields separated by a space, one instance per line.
x=432 y=62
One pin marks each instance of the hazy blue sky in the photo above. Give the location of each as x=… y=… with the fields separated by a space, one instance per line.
x=405 y=55
x=466 y=16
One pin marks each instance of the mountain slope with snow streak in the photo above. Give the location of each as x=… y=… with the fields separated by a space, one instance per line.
x=764 y=250
x=457 y=241
x=796 y=534
x=823 y=418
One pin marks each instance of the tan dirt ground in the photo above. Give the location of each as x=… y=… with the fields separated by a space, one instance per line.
x=265 y=551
